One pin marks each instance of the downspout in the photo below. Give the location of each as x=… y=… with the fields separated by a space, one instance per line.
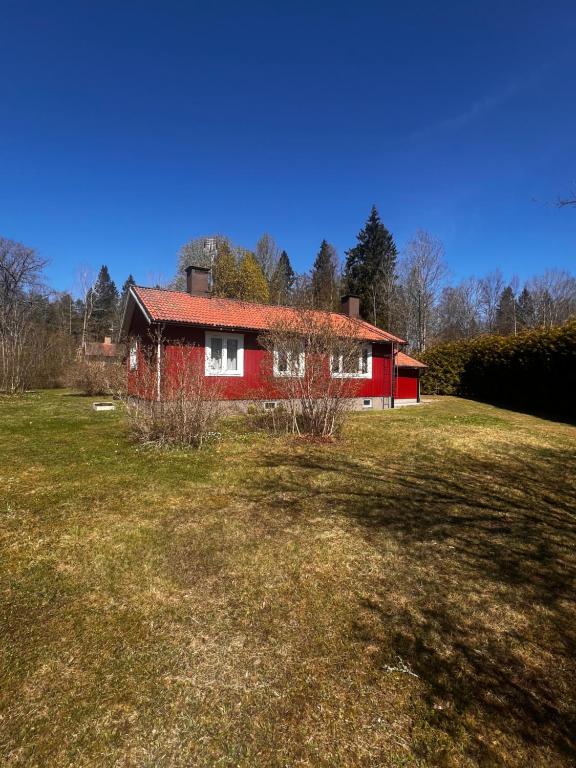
x=392 y=376
x=158 y=370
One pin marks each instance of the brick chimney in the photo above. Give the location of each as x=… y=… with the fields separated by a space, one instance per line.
x=198 y=281
x=351 y=306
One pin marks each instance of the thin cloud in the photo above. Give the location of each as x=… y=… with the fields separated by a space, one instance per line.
x=477 y=109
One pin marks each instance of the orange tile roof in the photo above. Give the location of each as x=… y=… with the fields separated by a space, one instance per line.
x=180 y=307
x=102 y=349
x=405 y=361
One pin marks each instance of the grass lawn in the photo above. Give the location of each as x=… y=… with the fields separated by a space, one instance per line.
x=402 y=598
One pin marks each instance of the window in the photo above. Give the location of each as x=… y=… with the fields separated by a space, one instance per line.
x=367 y=403
x=224 y=354
x=288 y=363
x=269 y=405
x=356 y=368
x=133 y=360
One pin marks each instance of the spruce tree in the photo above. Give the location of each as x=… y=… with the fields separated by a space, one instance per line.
x=526 y=310
x=225 y=272
x=105 y=296
x=506 y=312
x=282 y=281
x=127 y=284
x=324 y=285
x=252 y=283
x=121 y=304
x=370 y=271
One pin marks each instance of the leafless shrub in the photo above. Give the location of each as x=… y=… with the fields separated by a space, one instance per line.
x=95 y=377
x=314 y=371
x=278 y=419
x=178 y=404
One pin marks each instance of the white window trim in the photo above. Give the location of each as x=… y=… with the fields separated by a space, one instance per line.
x=208 y=336
x=133 y=356
x=341 y=375
x=294 y=371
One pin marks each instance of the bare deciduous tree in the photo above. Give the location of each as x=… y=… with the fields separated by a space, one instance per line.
x=571 y=200
x=200 y=251
x=458 y=314
x=267 y=254
x=20 y=277
x=554 y=297
x=85 y=280
x=490 y=289
x=423 y=271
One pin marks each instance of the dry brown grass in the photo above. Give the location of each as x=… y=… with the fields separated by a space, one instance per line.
x=402 y=598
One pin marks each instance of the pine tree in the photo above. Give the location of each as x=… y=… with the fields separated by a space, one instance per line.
x=252 y=283
x=324 y=285
x=506 y=312
x=105 y=296
x=225 y=276
x=282 y=281
x=370 y=271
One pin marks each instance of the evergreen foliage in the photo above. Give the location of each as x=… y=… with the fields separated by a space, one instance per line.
x=225 y=277
x=324 y=284
x=282 y=281
x=526 y=310
x=127 y=283
x=506 y=312
x=105 y=304
x=370 y=271
x=535 y=370
x=252 y=282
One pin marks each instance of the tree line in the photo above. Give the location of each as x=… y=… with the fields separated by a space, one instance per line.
x=407 y=292
x=42 y=330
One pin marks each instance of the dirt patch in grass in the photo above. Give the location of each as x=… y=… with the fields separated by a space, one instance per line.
x=402 y=598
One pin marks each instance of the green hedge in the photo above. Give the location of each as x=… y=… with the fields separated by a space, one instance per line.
x=535 y=370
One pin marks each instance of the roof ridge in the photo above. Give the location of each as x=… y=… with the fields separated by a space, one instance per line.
x=359 y=322
x=242 y=301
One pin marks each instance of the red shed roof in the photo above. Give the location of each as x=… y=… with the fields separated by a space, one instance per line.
x=166 y=306
x=405 y=361
x=103 y=349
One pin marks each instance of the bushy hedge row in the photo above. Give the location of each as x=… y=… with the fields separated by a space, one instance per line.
x=535 y=370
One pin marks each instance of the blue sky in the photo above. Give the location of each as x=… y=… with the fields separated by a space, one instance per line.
x=128 y=127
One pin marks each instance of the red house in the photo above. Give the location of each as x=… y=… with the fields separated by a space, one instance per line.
x=225 y=332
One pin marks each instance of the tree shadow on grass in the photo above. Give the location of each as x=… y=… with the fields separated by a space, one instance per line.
x=487 y=621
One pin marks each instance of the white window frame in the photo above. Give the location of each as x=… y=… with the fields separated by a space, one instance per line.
x=367 y=402
x=133 y=356
x=295 y=368
x=208 y=369
x=339 y=374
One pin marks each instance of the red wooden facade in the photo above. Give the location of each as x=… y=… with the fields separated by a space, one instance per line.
x=149 y=379
x=407 y=384
x=257 y=381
